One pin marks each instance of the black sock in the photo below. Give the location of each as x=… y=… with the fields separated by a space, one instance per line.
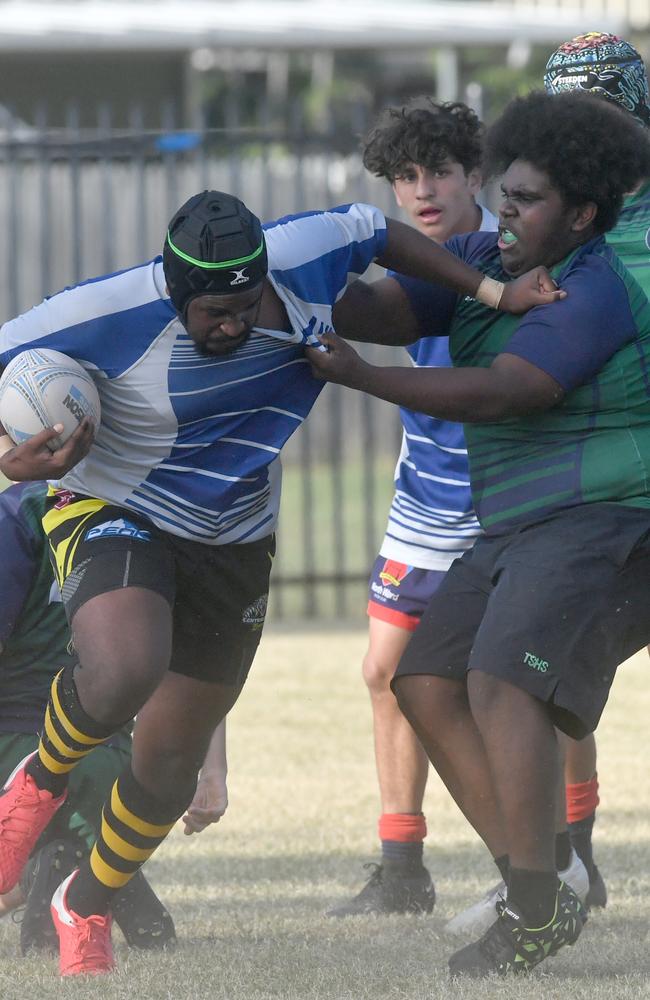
x=562 y=850
x=503 y=864
x=580 y=835
x=534 y=894
x=402 y=854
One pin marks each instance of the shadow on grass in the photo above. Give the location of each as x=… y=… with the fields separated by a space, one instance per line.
x=307 y=869
x=261 y=900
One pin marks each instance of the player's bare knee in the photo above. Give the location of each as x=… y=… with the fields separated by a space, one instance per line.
x=487 y=692
x=112 y=691
x=431 y=704
x=377 y=672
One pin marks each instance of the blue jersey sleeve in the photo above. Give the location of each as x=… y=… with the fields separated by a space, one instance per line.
x=106 y=323
x=358 y=230
x=573 y=339
x=312 y=256
x=433 y=305
x=19 y=560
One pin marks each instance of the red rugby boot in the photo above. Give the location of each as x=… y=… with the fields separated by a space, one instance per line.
x=25 y=811
x=84 y=942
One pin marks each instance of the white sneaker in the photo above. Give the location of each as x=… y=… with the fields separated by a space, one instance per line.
x=576 y=876
x=475 y=920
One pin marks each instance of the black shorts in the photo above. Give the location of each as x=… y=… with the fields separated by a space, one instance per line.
x=218 y=593
x=552 y=608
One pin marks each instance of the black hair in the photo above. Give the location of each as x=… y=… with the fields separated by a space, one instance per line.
x=424 y=133
x=590 y=149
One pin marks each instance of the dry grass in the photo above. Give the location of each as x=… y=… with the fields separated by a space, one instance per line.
x=248 y=896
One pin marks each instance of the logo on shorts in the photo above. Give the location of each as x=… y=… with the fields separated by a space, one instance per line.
x=383 y=593
x=63 y=498
x=255 y=613
x=536 y=662
x=119 y=528
x=393 y=573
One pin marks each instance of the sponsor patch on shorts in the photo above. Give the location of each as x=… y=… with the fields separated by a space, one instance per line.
x=536 y=662
x=63 y=498
x=255 y=613
x=398 y=587
x=119 y=528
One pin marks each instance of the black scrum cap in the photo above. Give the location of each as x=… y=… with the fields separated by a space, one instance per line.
x=214 y=246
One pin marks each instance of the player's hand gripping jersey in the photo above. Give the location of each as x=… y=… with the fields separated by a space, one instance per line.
x=192 y=441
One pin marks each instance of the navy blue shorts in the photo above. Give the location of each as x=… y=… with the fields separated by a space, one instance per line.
x=552 y=608
x=399 y=594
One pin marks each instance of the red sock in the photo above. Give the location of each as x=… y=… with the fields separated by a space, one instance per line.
x=401 y=837
x=581 y=800
x=405 y=828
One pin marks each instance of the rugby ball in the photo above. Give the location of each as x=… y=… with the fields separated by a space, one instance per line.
x=40 y=388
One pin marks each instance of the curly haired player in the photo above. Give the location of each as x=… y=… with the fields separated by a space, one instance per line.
x=528 y=627
x=610 y=68
x=431 y=155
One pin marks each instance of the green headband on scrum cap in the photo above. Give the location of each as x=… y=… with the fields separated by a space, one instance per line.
x=214 y=246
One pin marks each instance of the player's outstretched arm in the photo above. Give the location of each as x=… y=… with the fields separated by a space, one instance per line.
x=211 y=797
x=412 y=253
x=33 y=459
x=510 y=387
x=376 y=312
x=379 y=312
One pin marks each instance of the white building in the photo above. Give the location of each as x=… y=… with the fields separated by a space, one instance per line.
x=94 y=50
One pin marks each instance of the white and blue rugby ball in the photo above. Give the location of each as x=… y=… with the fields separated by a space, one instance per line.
x=40 y=388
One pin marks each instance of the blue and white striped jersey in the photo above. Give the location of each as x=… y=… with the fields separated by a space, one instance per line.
x=190 y=441
x=431 y=519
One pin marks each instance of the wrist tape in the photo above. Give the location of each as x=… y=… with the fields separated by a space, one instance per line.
x=489 y=292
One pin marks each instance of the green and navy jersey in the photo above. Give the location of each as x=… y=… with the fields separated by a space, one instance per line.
x=33 y=628
x=34 y=632
x=595 y=445
x=630 y=238
x=192 y=441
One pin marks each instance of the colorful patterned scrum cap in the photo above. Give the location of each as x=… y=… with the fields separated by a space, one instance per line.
x=604 y=64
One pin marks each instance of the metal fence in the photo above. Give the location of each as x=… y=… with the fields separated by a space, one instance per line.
x=78 y=204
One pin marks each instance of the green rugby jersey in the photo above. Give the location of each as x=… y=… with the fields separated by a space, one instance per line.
x=630 y=238
x=595 y=445
x=33 y=627
x=34 y=630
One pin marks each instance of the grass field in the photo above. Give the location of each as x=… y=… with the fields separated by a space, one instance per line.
x=248 y=895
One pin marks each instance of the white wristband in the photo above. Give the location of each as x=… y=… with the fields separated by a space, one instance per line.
x=489 y=292
x=6 y=444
